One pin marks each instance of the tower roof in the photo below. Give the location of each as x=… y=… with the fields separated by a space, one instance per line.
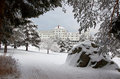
x=59 y=27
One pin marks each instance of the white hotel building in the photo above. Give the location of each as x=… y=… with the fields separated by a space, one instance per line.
x=60 y=33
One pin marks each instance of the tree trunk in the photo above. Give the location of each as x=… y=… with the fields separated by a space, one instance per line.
x=47 y=51
x=26 y=46
x=39 y=49
x=0 y=45
x=15 y=47
x=5 y=48
x=2 y=8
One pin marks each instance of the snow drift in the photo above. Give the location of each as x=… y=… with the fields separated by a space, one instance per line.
x=86 y=54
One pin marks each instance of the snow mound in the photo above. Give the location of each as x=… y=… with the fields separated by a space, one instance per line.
x=86 y=54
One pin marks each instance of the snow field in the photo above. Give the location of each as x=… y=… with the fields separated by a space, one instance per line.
x=36 y=64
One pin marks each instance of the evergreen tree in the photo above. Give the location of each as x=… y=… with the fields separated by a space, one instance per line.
x=18 y=37
x=68 y=44
x=13 y=10
x=11 y=34
x=61 y=45
x=65 y=46
x=30 y=36
x=6 y=35
x=107 y=40
x=89 y=12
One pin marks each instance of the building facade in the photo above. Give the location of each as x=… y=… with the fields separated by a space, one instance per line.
x=59 y=33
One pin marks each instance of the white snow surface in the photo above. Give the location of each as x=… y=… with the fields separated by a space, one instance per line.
x=36 y=64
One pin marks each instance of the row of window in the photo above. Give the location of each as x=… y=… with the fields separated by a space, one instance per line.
x=59 y=36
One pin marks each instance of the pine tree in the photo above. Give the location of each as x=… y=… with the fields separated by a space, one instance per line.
x=15 y=9
x=107 y=40
x=17 y=36
x=6 y=33
x=61 y=45
x=65 y=46
x=68 y=44
x=30 y=36
x=90 y=12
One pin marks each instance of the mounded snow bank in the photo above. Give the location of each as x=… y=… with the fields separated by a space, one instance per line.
x=85 y=54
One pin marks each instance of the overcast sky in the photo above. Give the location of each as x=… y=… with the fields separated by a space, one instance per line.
x=57 y=17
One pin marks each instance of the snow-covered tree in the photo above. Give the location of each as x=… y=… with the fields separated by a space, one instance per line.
x=30 y=36
x=82 y=37
x=65 y=45
x=86 y=36
x=55 y=47
x=107 y=40
x=6 y=33
x=17 y=37
x=68 y=44
x=47 y=44
x=61 y=45
x=12 y=9
x=89 y=12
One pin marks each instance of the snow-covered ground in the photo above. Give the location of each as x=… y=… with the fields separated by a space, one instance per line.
x=36 y=64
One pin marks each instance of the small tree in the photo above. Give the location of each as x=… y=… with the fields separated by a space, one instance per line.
x=47 y=44
x=68 y=44
x=61 y=45
x=55 y=47
x=64 y=45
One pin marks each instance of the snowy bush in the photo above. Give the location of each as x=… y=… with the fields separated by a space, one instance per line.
x=55 y=47
x=86 y=54
x=47 y=44
x=8 y=67
x=64 y=46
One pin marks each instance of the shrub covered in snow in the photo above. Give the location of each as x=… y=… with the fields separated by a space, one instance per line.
x=8 y=67
x=55 y=47
x=86 y=54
